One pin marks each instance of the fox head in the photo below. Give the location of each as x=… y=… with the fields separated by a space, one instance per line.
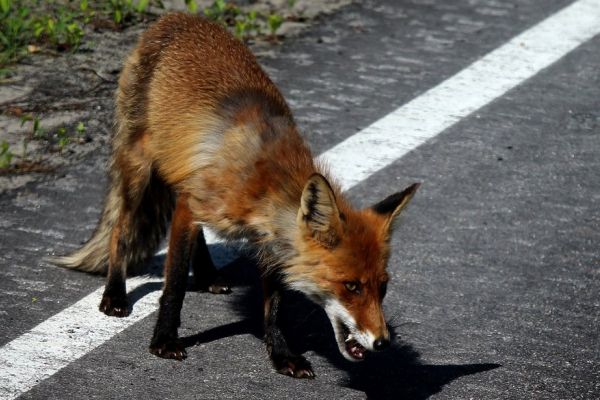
x=341 y=263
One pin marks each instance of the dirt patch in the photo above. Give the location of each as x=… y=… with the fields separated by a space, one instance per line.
x=67 y=92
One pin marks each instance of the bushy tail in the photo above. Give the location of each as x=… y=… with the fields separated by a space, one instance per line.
x=147 y=228
x=93 y=256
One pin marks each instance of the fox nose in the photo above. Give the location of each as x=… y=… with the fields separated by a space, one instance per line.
x=381 y=344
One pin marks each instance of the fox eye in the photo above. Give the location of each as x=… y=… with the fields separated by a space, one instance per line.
x=352 y=287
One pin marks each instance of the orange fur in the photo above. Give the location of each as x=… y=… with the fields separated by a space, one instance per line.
x=197 y=117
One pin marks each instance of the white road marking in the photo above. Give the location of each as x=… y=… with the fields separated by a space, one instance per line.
x=388 y=139
x=74 y=332
x=63 y=338
x=77 y=330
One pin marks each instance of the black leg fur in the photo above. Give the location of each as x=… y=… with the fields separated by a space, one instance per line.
x=283 y=359
x=165 y=341
x=114 y=300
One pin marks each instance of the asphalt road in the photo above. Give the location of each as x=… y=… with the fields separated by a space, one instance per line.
x=495 y=267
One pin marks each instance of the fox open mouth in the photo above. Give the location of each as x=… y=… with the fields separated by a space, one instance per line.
x=351 y=349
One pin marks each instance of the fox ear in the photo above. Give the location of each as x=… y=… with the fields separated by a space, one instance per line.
x=393 y=205
x=319 y=213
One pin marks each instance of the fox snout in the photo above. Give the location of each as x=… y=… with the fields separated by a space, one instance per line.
x=354 y=341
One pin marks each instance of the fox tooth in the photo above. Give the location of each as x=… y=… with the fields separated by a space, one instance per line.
x=350 y=338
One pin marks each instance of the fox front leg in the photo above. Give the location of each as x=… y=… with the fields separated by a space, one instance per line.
x=284 y=361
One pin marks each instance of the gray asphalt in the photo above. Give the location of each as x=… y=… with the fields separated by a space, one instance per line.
x=495 y=266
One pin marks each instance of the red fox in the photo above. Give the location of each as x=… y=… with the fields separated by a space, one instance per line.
x=203 y=137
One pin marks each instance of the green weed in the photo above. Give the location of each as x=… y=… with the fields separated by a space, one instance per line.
x=16 y=31
x=61 y=26
x=222 y=12
x=124 y=11
x=244 y=24
x=5 y=155
x=191 y=4
x=274 y=22
x=80 y=128
x=20 y=27
x=62 y=32
x=36 y=130
x=247 y=25
x=63 y=139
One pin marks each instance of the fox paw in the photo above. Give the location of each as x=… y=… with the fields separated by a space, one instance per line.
x=295 y=366
x=218 y=285
x=168 y=347
x=115 y=306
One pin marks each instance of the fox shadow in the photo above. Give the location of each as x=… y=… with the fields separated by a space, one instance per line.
x=392 y=374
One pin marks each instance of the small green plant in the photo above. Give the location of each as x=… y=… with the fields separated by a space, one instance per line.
x=125 y=10
x=247 y=25
x=191 y=4
x=252 y=22
x=240 y=29
x=141 y=7
x=5 y=155
x=217 y=11
x=15 y=31
x=62 y=32
x=25 y=118
x=120 y=9
x=36 y=131
x=21 y=28
x=24 y=25
x=244 y=24
x=86 y=12
x=80 y=128
x=63 y=139
x=274 y=22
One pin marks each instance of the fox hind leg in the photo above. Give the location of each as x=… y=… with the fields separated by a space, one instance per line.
x=114 y=301
x=131 y=176
x=206 y=276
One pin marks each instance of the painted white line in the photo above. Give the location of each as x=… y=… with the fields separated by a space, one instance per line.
x=65 y=337
x=411 y=125
x=77 y=330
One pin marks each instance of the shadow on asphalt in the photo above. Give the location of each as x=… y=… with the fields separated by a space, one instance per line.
x=395 y=373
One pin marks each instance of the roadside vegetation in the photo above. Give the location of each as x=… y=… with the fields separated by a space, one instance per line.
x=54 y=27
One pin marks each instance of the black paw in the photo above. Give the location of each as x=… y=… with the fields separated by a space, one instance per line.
x=168 y=347
x=217 y=285
x=115 y=306
x=295 y=366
